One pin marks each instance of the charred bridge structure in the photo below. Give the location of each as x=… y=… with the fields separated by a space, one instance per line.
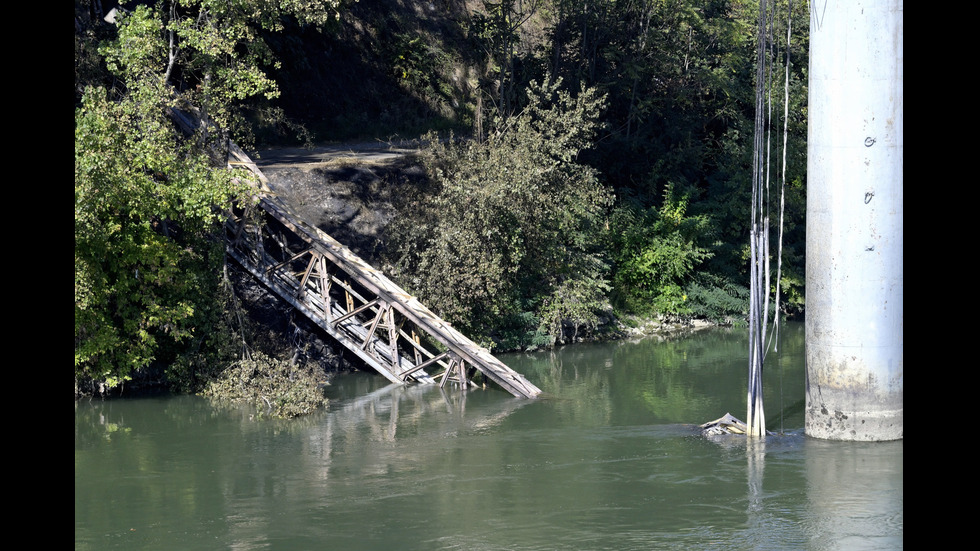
x=390 y=330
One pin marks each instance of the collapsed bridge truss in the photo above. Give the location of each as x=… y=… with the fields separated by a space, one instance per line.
x=390 y=330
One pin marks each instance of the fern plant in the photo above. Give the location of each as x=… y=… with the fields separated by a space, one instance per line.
x=657 y=251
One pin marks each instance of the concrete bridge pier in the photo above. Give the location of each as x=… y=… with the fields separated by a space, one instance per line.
x=854 y=258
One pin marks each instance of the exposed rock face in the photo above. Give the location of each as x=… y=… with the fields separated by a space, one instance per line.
x=351 y=199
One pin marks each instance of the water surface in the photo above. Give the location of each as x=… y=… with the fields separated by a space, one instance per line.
x=608 y=459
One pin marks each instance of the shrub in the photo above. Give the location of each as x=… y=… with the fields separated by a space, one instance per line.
x=513 y=228
x=657 y=251
x=274 y=386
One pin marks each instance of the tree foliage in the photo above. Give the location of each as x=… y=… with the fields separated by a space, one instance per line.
x=657 y=251
x=143 y=206
x=496 y=28
x=679 y=77
x=148 y=196
x=511 y=237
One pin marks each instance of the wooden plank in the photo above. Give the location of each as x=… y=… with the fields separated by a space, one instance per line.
x=374 y=326
x=425 y=364
x=356 y=311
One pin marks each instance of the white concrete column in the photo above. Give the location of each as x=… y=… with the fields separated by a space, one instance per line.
x=854 y=279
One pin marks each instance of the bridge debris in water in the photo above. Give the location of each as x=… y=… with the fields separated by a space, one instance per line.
x=357 y=305
x=726 y=424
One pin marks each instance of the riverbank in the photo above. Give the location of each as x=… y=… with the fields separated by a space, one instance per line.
x=353 y=192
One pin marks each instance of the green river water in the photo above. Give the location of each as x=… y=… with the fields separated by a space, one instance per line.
x=609 y=458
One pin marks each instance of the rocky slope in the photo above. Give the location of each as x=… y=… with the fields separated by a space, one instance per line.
x=350 y=192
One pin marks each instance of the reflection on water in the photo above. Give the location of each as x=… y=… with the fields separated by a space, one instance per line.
x=854 y=494
x=608 y=459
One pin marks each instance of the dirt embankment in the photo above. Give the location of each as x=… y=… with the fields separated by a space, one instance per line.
x=349 y=192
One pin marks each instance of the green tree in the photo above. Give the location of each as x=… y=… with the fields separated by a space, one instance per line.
x=142 y=209
x=149 y=196
x=680 y=80
x=509 y=243
x=497 y=30
x=657 y=251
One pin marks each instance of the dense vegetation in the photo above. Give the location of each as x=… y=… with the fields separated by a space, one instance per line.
x=509 y=241
x=609 y=167
x=600 y=160
x=148 y=197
